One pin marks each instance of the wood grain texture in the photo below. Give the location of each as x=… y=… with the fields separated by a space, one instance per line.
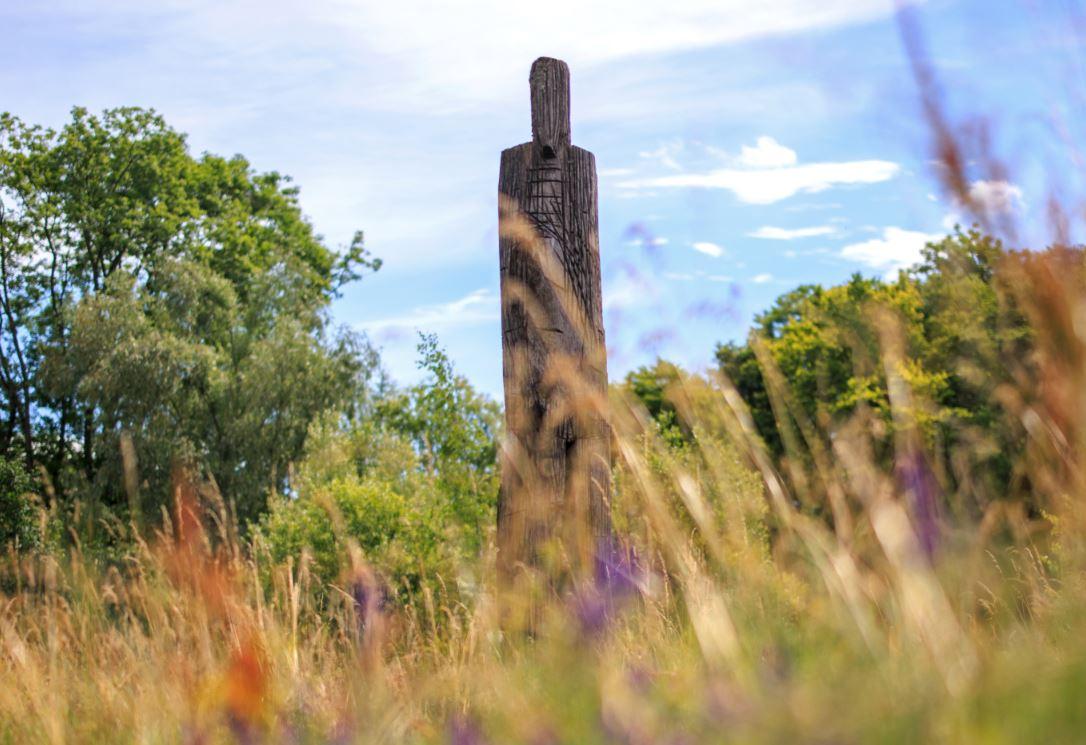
x=556 y=472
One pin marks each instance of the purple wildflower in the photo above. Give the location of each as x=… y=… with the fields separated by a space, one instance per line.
x=243 y=730
x=616 y=578
x=464 y=730
x=915 y=476
x=370 y=600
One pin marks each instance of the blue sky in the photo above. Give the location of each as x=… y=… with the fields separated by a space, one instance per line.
x=742 y=147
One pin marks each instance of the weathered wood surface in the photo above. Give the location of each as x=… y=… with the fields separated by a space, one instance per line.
x=556 y=469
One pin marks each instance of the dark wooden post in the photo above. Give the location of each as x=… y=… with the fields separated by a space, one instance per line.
x=556 y=473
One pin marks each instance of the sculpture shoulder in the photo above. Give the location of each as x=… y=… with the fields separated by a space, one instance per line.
x=581 y=154
x=521 y=152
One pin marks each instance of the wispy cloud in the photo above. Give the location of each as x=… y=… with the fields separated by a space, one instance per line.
x=989 y=200
x=776 y=184
x=614 y=172
x=897 y=249
x=709 y=249
x=761 y=279
x=767 y=153
x=604 y=31
x=648 y=242
x=996 y=198
x=629 y=290
x=666 y=155
x=769 y=232
x=479 y=306
x=770 y=173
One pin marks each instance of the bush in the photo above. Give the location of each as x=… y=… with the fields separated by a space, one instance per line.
x=18 y=507
x=393 y=535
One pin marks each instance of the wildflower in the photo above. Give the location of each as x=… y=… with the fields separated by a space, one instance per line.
x=916 y=479
x=616 y=578
x=464 y=730
x=370 y=602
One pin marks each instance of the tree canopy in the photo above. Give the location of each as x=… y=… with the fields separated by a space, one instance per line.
x=820 y=354
x=171 y=301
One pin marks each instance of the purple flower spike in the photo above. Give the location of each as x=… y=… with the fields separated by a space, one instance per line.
x=370 y=600
x=916 y=479
x=616 y=578
x=463 y=730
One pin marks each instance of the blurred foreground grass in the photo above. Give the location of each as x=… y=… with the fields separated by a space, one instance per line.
x=730 y=611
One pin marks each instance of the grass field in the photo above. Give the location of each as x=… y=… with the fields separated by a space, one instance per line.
x=730 y=614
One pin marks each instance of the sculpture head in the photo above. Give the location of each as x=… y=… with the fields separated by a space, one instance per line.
x=549 y=81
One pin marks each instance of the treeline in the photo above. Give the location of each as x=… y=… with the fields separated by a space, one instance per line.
x=940 y=365
x=166 y=313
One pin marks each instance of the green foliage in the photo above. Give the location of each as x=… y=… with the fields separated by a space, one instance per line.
x=413 y=481
x=19 y=525
x=180 y=301
x=454 y=431
x=960 y=335
x=651 y=386
x=394 y=534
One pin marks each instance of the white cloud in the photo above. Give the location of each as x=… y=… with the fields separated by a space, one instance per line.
x=952 y=219
x=719 y=278
x=627 y=291
x=666 y=154
x=785 y=234
x=995 y=198
x=766 y=186
x=709 y=249
x=679 y=276
x=421 y=37
x=761 y=279
x=897 y=249
x=767 y=153
x=433 y=55
x=476 y=307
x=654 y=241
x=766 y=173
x=990 y=200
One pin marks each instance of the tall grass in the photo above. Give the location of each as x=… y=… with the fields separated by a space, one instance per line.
x=820 y=597
x=730 y=613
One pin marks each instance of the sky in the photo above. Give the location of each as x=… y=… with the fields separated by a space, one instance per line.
x=742 y=147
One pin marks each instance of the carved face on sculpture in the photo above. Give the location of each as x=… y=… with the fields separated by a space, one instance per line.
x=549 y=82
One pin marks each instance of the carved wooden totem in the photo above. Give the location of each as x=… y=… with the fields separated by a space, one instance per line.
x=556 y=471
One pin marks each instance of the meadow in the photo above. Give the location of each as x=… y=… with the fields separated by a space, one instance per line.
x=756 y=598
x=223 y=523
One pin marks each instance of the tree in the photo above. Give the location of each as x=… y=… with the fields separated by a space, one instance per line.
x=652 y=387
x=962 y=335
x=455 y=432
x=178 y=301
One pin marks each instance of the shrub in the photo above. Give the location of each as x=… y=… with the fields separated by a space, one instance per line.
x=393 y=534
x=19 y=524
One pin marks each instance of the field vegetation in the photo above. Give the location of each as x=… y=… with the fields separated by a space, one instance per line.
x=221 y=522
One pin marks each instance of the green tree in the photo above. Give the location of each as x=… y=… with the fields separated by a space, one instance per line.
x=412 y=480
x=652 y=386
x=962 y=334
x=455 y=432
x=18 y=509
x=180 y=301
